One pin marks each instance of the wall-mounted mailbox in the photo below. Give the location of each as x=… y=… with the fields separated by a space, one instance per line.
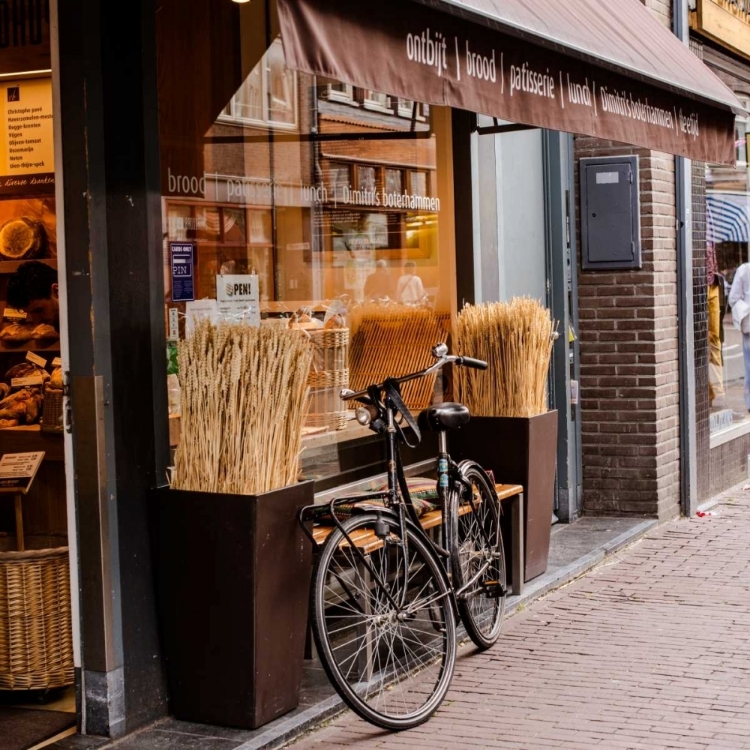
x=610 y=213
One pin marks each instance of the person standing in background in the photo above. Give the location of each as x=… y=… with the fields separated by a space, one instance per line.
x=410 y=289
x=378 y=284
x=739 y=300
x=715 y=351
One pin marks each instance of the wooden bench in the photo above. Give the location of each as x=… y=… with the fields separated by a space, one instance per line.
x=367 y=541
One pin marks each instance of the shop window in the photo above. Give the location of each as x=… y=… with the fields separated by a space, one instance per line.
x=727 y=257
x=330 y=217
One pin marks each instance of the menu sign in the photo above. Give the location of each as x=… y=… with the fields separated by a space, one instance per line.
x=441 y=59
x=27 y=161
x=17 y=471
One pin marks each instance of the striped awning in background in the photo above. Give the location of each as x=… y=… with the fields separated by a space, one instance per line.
x=727 y=217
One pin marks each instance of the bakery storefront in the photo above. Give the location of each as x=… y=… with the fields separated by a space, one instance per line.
x=313 y=164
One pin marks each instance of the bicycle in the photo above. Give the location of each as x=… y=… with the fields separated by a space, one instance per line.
x=385 y=596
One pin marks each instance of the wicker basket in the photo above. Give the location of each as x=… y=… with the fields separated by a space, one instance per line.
x=329 y=374
x=52 y=411
x=392 y=342
x=36 y=641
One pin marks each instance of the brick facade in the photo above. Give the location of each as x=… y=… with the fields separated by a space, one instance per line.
x=629 y=368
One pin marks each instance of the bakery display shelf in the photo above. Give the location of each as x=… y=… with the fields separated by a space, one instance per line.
x=11 y=266
x=31 y=346
x=30 y=438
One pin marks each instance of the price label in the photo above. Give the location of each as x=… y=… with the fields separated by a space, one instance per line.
x=17 y=471
x=35 y=359
x=16 y=316
x=30 y=380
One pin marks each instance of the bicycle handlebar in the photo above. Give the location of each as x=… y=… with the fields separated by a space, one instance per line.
x=443 y=359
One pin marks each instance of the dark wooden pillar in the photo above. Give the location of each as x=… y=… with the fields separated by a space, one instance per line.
x=112 y=239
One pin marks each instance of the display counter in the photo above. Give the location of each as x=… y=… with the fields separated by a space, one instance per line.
x=30 y=438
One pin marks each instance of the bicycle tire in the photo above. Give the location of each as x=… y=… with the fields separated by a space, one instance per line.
x=384 y=689
x=475 y=538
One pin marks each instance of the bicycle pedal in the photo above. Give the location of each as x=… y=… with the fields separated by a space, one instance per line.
x=494 y=589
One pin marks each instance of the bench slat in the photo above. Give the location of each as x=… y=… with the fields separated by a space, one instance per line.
x=368 y=542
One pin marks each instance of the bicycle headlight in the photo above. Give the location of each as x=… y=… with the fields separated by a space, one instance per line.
x=363 y=416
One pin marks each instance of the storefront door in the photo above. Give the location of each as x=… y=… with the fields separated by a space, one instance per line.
x=38 y=577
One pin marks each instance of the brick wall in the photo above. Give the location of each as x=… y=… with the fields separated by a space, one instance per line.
x=662 y=9
x=629 y=369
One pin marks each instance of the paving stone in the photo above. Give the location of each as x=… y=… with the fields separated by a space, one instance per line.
x=648 y=651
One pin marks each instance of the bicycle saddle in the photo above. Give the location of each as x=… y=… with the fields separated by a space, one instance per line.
x=444 y=417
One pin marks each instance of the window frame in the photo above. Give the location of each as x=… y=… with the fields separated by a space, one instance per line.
x=347 y=96
x=232 y=117
x=385 y=106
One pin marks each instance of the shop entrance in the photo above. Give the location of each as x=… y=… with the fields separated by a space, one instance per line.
x=522 y=191
x=37 y=694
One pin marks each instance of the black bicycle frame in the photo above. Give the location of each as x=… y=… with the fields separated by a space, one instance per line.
x=402 y=511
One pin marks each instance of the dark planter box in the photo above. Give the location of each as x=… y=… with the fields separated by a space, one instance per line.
x=519 y=450
x=233 y=582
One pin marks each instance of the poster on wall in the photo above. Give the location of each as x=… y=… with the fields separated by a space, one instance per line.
x=27 y=153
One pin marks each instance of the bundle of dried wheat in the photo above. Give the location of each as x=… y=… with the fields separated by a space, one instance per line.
x=393 y=340
x=516 y=339
x=244 y=399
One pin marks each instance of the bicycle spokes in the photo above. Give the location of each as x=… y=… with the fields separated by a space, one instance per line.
x=391 y=659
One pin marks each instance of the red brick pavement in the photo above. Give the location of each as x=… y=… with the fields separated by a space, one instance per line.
x=651 y=650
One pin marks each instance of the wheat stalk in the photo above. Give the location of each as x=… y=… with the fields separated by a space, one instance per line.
x=516 y=339
x=244 y=398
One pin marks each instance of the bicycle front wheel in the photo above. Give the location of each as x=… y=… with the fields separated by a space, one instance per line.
x=477 y=555
x=383 y=622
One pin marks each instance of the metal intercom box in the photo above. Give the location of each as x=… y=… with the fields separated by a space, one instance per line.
x=610 y=213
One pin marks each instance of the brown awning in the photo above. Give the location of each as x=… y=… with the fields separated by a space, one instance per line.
x=594 y=67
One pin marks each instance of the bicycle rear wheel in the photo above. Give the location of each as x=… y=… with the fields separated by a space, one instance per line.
x=477 y=555
x=384 y=626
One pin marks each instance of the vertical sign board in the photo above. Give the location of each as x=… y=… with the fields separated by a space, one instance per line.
x=182 y=261
x=237 y=297
x=27 y=158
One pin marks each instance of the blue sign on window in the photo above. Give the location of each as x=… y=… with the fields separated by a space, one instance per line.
x=182 y=256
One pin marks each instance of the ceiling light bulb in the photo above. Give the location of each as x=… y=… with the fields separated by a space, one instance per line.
x=242 y=1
